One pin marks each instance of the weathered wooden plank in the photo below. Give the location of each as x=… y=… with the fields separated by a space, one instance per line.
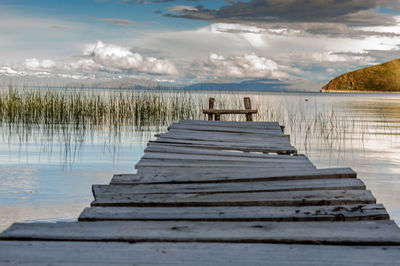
x=209 y=129
x=234 y=132
x=271 y=148
x=200 y=157
x=165 y=148
x=259 y=123
x=286 y=198
x=204 y=159
x=248 y=213
x=248 y=130
x=244 y=124
x=226 y=137
x=222 y=143
x=238 y=127
x=14 y=253
x=204 y=175
x=360 y=233
x=229 y=111
x=157 y=163
x=268 y=186
x=227 y=148
x=192 y=164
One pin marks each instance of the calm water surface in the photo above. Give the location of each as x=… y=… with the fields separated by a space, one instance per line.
x=48 y=177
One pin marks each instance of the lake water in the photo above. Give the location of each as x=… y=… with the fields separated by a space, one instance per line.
x=48 y=177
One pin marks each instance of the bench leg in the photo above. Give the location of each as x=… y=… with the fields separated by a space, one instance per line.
x=211 y=106
x=247 y=106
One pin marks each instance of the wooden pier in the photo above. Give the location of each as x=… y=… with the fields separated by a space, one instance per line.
x=218 y=193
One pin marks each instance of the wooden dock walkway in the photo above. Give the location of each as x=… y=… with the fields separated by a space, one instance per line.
x=218 y=193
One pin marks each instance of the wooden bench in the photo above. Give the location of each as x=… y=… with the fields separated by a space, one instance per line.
x=216 y=113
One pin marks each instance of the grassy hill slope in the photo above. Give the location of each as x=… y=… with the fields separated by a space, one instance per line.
x=379 y=78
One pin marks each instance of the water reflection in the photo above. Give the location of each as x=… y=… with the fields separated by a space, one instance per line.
x=47 y=169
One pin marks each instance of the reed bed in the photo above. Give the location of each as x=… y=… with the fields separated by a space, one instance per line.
x=94 y=107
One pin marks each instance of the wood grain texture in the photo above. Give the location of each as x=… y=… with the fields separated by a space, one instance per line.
x=206 y=175
x=17 y=253
x=211 y=102
x=267 y=148
x=247 y=106
x=173 y=149
x=227 y=137
x=230 y=156
x=190 y=163
x=292 y=185
x=263 y=125
x=228 y=111
x=360 y=233
x=209 y=157
x=286 y=198
x=267 y=136
x=204 y=159
x=193 y=139
x=277 y=131
x=307 y=213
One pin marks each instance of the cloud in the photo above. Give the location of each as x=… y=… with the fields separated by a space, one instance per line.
x=82 y=64
x=270 y=14
x=295 y=11
x=307 y=29
x=182 y=8
x=59 y=27
x=297 y=53
x=143 y=2
x=235 y=28
x=118 y=21
x=111 y=57
x=8 y=71
x=34 y=64
x=242 y=66
x=95 y=60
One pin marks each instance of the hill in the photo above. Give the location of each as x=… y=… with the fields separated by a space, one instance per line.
x=380 y=78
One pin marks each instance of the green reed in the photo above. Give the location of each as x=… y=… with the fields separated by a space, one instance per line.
x=93 y=107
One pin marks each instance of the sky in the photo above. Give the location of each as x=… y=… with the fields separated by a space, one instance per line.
x=192 y=41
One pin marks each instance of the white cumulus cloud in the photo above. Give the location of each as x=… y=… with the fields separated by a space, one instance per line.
x=8 y=71
x=328 y=57
x=111 y=57
x=34 y=64
x=96 y=61
x=244 y=66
